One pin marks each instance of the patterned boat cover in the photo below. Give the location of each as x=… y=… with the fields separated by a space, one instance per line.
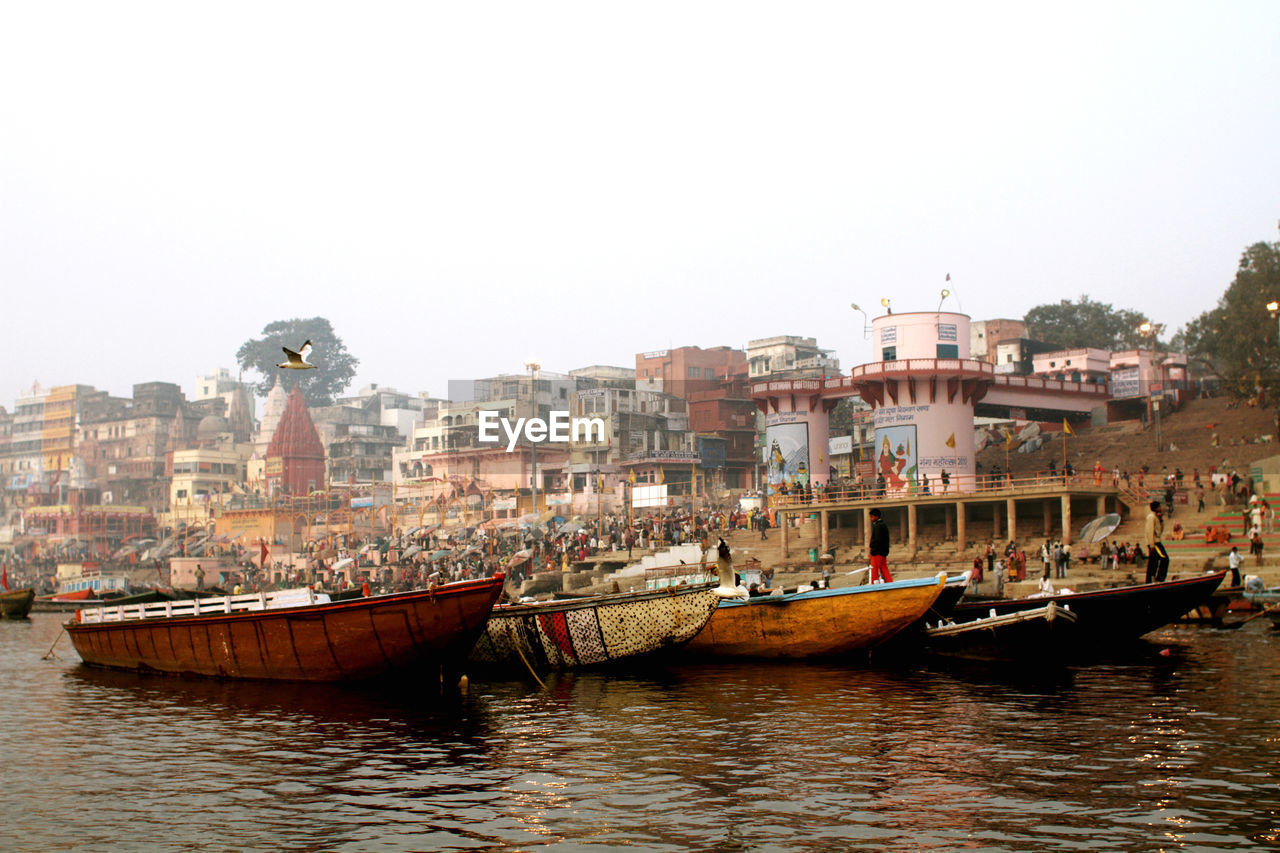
x=595 y=629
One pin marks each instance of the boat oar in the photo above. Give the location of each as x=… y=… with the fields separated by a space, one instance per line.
x=1263 y=612
x=49 y=654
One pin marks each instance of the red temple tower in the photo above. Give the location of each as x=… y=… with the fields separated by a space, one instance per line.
x=295 y=457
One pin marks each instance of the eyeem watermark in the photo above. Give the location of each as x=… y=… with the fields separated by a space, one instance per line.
x=561 y=428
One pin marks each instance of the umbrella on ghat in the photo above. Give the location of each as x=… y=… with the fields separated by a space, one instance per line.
x=1100 y=528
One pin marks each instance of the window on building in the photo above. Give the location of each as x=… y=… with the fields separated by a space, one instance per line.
x=948 y=350
x=695 y=372
x=889 y=354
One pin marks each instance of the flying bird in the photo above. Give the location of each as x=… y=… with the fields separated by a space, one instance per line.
x=297 y=360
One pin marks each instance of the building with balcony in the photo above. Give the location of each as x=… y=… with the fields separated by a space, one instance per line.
x=124 y=443
x=789 y=357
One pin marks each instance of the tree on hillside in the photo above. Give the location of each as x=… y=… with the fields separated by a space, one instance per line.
x=1238 y=340
x=1085 y=324
x=335 y=367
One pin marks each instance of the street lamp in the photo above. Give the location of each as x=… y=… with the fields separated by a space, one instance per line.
x=1274 y=308
x=866 y=321
x=943 y=294
x=533 y=367
x=885 y=303
x=1149 y=330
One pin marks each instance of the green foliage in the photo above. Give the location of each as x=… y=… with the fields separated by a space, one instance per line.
x=1087 y=324
x=841 y=418
x=1237 y=340
x=335 y=367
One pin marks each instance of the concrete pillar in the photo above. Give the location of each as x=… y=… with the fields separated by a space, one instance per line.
x=911 y=531
x=1048 y=520
x=949 y=521
x=824 y=522
x=960 y=532
x=866 y=530
x=903 y=526
x=1066 y=519
x=782 y=525
x=995 y=522
x=1102 y=505
x=1012 y=512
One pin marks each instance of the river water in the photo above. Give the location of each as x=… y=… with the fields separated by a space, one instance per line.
x=1171 y=744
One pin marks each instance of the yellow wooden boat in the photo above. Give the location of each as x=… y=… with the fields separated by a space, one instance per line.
x=815 y=623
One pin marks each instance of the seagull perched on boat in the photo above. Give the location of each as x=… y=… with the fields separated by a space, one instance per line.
x=297 y=360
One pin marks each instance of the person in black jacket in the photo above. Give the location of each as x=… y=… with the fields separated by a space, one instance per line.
x=879 y=549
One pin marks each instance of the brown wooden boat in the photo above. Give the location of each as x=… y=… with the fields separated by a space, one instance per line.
x=296 y=635
x=816 y=623
x=16 y=604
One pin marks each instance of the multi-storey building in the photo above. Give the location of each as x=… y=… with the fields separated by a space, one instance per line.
x=728 y=415
x=25 y=461
x=790 y=357
x=124 y=443
x=985 y=335
x=681 y=371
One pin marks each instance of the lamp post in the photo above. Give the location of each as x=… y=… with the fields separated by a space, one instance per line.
x=533 y=367
x=866 y=321
x=1273 y=307
x=1149 y=330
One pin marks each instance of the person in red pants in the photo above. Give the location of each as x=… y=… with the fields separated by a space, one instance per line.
x=879 y=549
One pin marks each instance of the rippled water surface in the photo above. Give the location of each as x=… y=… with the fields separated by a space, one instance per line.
x=1141 y=751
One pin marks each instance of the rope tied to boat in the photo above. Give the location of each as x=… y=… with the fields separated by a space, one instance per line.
x=520 y=651
x=49 y=655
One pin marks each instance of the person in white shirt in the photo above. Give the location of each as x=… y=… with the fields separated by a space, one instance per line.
x=1234 y=560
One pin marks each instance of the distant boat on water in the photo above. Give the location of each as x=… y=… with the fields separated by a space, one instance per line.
x=16 y=604
x=295 y=635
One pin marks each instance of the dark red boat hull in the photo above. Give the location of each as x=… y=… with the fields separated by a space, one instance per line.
x=339 y=641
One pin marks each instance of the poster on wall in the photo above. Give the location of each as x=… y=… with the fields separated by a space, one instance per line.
x=896 y=451
x=787 y=455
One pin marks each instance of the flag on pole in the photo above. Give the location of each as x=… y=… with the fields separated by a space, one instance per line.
x=1008 y=438
x=662 y=476
x=4 y=578
x=1066 y=427
x=631 y=476
x=263 y=554
x=951 y=442
x=948 y=276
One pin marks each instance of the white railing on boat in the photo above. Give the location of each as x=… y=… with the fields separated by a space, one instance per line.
x=203 y=606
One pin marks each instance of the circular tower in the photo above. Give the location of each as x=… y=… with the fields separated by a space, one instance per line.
x=923 y=391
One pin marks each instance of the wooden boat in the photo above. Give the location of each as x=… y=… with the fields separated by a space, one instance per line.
x=815 y=623
x=1123 y=612
x=295 y=635
x=16 y=604
x=1022 y=633
x=593 y=630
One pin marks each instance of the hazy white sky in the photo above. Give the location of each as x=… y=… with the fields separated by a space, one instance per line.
x=459 y=187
